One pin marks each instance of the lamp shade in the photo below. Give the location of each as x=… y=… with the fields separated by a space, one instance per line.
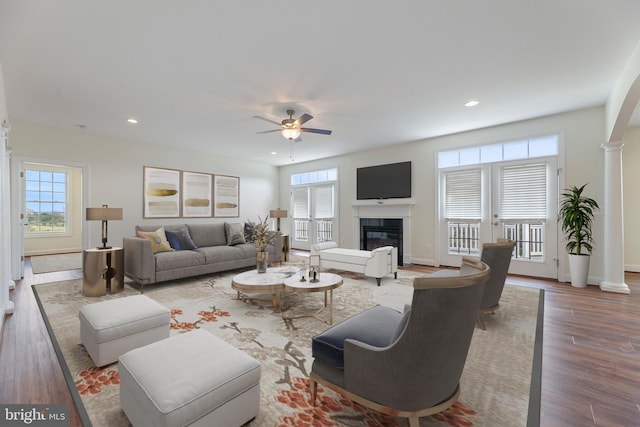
x=278 y=213
x=290 y=133
x=104 y=214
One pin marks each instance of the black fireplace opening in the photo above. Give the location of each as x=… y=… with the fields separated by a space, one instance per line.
x=378 y=232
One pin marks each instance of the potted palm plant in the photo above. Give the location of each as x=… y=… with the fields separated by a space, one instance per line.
x=576 y=217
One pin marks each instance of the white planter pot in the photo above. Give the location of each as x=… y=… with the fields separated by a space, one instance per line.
x=579 y=268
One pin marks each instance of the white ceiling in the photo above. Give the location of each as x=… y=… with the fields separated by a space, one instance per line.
x=376 y=72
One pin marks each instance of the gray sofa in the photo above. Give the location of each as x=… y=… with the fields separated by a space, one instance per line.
x=211 y=248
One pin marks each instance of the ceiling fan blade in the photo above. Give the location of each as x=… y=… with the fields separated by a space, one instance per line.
x=302 y=119
x=269 y=131
x=311 y=130
x=268 y=120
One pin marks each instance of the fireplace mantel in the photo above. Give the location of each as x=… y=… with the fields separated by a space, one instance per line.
x=376 y=202
x=392 y=208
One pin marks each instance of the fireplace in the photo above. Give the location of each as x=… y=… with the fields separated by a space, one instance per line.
x=378 y=232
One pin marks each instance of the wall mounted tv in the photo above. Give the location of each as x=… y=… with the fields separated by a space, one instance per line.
x=391 y=181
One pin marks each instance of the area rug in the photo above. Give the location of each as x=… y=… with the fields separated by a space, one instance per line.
x=495 y=384
x=58 y=262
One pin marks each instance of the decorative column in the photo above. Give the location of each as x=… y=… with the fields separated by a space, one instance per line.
x=613 y=220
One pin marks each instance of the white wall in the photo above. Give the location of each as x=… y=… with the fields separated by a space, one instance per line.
x=583 y=132
x=115 y=174
x=631 y=177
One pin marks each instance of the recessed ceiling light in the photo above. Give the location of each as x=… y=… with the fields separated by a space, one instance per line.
x=471 y=103
x=132 y=121
x=274 y=153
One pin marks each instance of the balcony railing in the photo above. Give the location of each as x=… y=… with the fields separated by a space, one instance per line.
x=464 y=239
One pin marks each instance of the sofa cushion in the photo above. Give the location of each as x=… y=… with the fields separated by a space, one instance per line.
x=208 y=234
x=180 y=240
x=179 y=259
x=214 y=254
x=158 y=240
x=376 y=326
x=234 y=233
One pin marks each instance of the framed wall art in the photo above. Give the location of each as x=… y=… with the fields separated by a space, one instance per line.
x=161 y=196
x=196 y=195
x=226 y=196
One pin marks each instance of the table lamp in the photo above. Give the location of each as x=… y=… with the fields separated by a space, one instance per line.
x=278 y=213
x=104 y=214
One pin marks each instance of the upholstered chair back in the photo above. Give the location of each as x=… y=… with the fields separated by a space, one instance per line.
x=423 y=364
x=498 y=257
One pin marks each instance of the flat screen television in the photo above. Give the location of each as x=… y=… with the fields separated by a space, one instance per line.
x=391 y=181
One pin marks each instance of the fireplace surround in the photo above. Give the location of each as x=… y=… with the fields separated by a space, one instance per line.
x=388 y=209
x=378 y=232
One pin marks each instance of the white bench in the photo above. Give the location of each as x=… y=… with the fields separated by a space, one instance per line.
x=376 y=263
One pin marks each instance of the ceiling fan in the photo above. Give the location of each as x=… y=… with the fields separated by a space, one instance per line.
x=290 y=128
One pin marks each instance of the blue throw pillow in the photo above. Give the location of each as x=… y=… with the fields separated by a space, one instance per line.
x=180 y=240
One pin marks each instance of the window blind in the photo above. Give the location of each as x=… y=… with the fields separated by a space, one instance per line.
x=523 y=192
x=463 y=197
x=301 y=202
x=324 y=201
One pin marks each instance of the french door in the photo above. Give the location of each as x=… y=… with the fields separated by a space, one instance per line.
x=313 y=211
x=516 y=200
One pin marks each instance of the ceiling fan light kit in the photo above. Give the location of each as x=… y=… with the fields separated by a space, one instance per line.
x=290 y=133
x=291 y=128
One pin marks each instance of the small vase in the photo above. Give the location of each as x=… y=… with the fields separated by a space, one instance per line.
x=262 y=261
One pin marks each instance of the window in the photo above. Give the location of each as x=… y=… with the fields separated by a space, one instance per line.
x=501 y=190
x=313 y=206
x=514 y=150
x=326 y=175
x=463 y=210
x=46 y=201
x=523 y=208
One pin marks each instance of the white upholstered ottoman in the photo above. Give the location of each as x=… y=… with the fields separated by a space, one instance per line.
x=111 y=328
x=193 y=379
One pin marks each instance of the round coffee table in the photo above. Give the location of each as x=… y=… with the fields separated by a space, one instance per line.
x=271 y=282
x=326 y=283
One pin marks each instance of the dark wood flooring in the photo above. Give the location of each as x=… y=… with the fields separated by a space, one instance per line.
x=590 y=364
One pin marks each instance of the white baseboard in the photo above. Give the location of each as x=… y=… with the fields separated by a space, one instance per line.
x=634 y=268
x=423 y=261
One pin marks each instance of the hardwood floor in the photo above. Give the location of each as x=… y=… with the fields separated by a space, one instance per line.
x=590 y=366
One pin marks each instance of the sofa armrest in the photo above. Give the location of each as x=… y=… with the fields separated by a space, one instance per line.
x=139 y=261
x=382 y=262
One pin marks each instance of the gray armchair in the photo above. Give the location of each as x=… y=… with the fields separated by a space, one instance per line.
x=404 y=364
x=498 y=257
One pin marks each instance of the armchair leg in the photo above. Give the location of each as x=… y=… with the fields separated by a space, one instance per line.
x=313 y=385
x=414 y=422
x=378 y=279
x=481 y=322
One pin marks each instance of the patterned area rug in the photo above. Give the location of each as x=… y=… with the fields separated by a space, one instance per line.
x=495 y=384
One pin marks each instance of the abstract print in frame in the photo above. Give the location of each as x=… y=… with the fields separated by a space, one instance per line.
x=161 y=193
x=196 y=195
x=226 y=196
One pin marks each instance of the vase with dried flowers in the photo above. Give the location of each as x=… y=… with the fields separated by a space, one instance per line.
x=261 y=236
